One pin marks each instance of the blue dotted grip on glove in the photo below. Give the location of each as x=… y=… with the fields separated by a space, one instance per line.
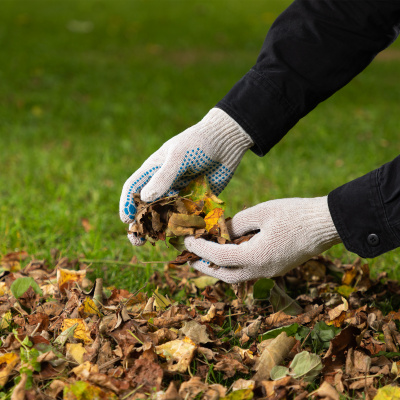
x=194 y=164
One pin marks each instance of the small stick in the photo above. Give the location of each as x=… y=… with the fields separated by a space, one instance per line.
x=115 y=262
x=106 y=364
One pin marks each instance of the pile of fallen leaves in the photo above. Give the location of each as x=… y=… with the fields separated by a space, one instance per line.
x=195 y=210
x=325 y=330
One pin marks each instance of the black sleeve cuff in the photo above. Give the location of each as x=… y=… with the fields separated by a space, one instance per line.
x=260 y=109
x=366 y=211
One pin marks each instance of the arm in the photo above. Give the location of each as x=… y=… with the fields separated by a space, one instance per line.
x=312 y=50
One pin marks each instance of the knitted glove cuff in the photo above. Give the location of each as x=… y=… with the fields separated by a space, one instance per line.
x=324 y=231
x=225 y=135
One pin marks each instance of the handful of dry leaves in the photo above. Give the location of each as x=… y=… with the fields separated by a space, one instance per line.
x=195 y=210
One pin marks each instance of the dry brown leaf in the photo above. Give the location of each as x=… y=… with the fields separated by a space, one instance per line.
x=178 y=353
x=19 y=390
x=55 y=388
x=337 y=311
x=84 y=370
x=230 y=366
x=326 y=391
x=196 y=332
x=274 y=354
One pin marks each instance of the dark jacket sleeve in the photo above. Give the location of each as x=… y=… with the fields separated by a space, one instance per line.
x=314 y=48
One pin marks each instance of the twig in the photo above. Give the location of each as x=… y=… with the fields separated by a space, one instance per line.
x=134 y=294
x=35 y=330
x=153 y=262
x=115 y=262
x=106 y=364
x=135 y=336
x=133 y=392
x=304 y=341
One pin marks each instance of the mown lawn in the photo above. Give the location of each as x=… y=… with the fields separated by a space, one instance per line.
x=89 y=89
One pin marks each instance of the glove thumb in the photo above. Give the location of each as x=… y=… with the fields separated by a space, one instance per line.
x=161 y=182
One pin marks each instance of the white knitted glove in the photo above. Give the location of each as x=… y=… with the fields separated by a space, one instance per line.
x=291 y=232
x=213 y=147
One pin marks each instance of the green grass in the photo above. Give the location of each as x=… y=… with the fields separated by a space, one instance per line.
x=80 y=112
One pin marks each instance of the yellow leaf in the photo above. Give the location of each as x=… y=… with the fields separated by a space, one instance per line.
x=76 y=351
x=388 y=392
x=198 y=196
x=178 y=353
x=10 y=360
x=67 y=277
x=211 y=201
x=4 y=289
x=89 y=308
x=161 y=302
x=81 y=331
x=238 y=330
x=12 y=266
x=349 y=276
x=6 y=320
x=211 y=219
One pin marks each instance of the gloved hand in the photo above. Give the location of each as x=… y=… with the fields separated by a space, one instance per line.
x=213 y=147
x=291 y=232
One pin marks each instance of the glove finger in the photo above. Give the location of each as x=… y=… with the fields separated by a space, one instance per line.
x=228 y=275
x=135 y=239
x=223 y=255
x=134 y=184
x=243 y=222
x=162 y=181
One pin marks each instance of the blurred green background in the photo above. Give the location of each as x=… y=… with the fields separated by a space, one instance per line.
x=89 y=89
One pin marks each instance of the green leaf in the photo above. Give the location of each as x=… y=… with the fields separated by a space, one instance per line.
x=278 y=372
x=281 y=301
x=178 y=243
x=198 y=193
x=21 y=285
x=107 y=292
x=302 y=333
x=197 y=189
x=290 y=330
x=345 y=290
x=27 y=342
x=203 y=281
x=306 y=365
x=267 y=289
x=322 y=334
x=262 y=289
